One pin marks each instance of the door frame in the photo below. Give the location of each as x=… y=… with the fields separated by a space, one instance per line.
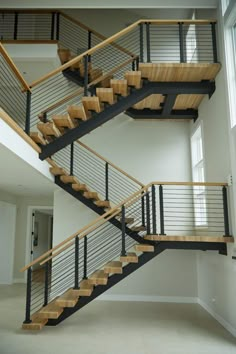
x=30 y=210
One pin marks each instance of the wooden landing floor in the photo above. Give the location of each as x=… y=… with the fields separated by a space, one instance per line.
x=190 y=238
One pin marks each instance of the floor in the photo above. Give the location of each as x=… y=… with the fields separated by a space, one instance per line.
x=115 y=327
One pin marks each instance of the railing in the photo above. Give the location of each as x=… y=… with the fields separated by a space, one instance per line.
x=183 y=41
x=99 y=174
x=15 y=95
x=159 y=208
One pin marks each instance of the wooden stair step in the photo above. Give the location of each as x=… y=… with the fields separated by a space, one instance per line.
x=48 y=129
x=119 y=86
x=58 y=171
x=103 y=203
x=38 y=138
x=134 y=78
x=79 y=187
x=128 y=220
x=68 y=299
x=95 y=73
x=105 y=94
x=91 y=103
x=64 y=55
x=63 y=121
x=114 y=267
x=91 y=195
x=185 y=238
x=52 y=310
x=69 y=179
x=85 y=289
x=77 y=112
x=37 y=323
x=144 y=248
x=138 y=228
x=131 y=257
x=81 y=67
x=106 y=81
x=98 y=278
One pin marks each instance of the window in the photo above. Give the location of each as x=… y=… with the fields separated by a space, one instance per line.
x=198 y=173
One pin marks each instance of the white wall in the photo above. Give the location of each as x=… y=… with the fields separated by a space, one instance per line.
x=150 y=151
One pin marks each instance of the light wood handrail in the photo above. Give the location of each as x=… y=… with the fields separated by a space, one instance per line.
x=81 y=90
x=110 y=214
x=112 y=39
x=14 y=68
x=110 y=163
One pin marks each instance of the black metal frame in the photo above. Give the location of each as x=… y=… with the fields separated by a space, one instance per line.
x=124 y=103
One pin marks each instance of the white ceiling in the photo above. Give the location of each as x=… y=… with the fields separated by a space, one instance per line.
x=19 y=178
x=109 y=4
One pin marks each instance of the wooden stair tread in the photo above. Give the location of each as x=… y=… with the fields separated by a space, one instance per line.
x=85 y=289
x=113 y=267
x=91 y=195
x=58 y=171
x=91 y=103
x=128 y=220
x=144 y=248
x=106 y=81
x=99 y=277
x=95 y=73
x=105 y=94
x=68 y=299
x=64 y=55
x=37 y=323
x=138 y=228
x=81 y=68
x=134 y=78
x=190 y=238
x=103 y=203
x=48 y=129
x=80 y=187
x=69 y=179
x=119 y=86
x=52 y=310
x=37 y=138
x=64 y=121
x=131 y=257
x=77 y=112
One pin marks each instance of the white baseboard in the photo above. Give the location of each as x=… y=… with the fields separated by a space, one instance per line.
x=19 y=281
x=144 y=298
x=218 y=318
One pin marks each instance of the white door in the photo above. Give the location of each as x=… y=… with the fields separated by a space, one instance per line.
x=7 y=241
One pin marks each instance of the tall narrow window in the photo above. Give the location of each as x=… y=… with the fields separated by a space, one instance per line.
x=199 y=192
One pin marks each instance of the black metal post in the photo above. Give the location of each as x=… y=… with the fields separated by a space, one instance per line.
x=52 y=25
x=58 y=26
x=72 y=159
x=226 y=214
x=141 y=42
x=137 y=63
x=46 y=284
x=86 y=75
x=133 y=65
x=214 y=45
x=76 y=263
x=181 y=43
x=148 y=222
x=107 y=180
x=143 y=210
x=123 y=251
x=85 y=256
x=148 y=42
x=161 y=206
x=16 y=25
x=28 y=297
x=45 y=117
x=154 y=226
x=27 y=118
x=89 y=44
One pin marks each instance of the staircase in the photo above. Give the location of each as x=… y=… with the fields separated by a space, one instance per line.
x=136 y=222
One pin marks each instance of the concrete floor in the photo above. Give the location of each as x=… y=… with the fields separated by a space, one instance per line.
x=114 y=328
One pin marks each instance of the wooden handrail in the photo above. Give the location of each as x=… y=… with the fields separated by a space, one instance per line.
x=81 y=90
x=14 y=68
x=111 y=213
x=110 y=163
x=112 y=39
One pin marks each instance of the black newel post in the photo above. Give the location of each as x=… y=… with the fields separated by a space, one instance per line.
x=141 y=42
x=52 y=25
x=28 y=296
x=226 y=213
x=161 y=205
x=72 y=159
x=85 y=256
x=214 y=45
x=181 y=43
x=107 y=181
x=86 y=75
x=154 y=226
x=148 y=221
x=123 y=251
x=16 y=25
x=58 y=26
x=148 y=42
x=76 y=286
x=46 y=283
x=27 y=117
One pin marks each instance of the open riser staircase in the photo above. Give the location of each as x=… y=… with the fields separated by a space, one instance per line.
x=136 y=222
